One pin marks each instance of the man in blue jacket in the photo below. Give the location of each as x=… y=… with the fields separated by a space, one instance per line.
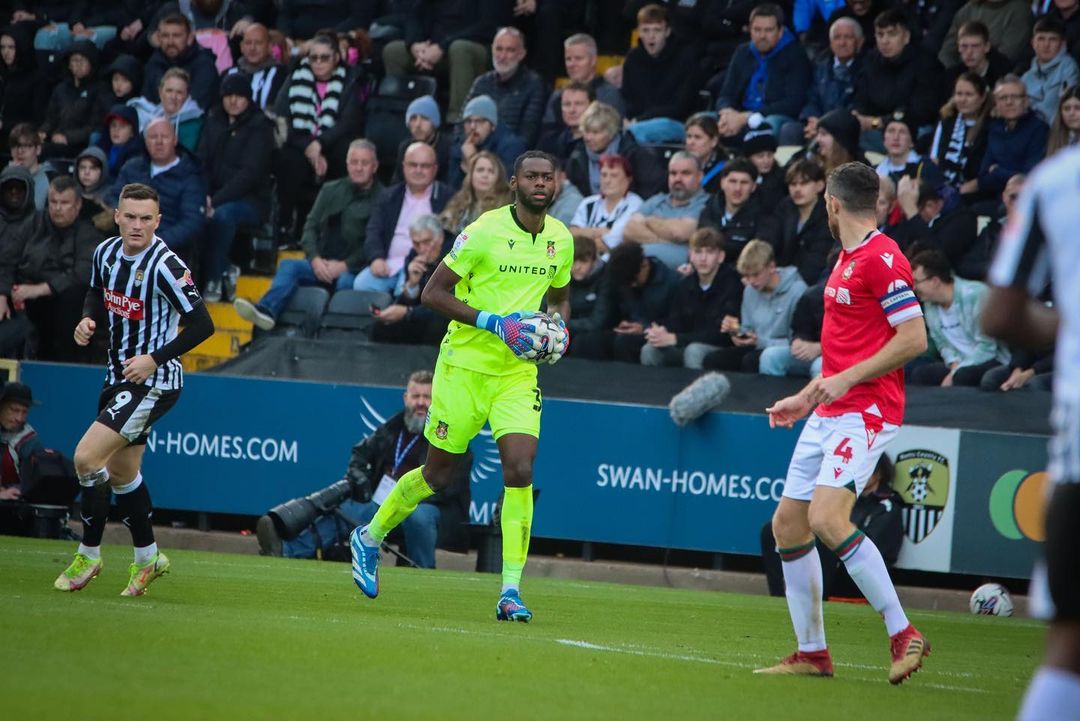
x=767 y=80
x=1017 y=137
x=175 y=174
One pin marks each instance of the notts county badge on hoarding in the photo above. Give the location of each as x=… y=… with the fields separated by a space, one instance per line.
x=551 y=249
x=922 y=479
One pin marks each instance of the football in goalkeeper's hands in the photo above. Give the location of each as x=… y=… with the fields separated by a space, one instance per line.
x=549 y=339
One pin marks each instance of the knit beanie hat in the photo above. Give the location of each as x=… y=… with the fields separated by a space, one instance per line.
x=844 y=128
x=482 y=106
x=426 y=106
x=236 y=84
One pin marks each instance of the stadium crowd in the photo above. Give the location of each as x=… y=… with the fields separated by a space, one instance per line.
x=368 y=134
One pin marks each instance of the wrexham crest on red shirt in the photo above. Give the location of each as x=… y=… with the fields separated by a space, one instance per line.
x=848 y=270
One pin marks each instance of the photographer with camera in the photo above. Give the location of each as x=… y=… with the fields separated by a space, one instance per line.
x=310 y=527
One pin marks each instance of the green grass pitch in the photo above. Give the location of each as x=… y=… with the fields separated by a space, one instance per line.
x=243 y=637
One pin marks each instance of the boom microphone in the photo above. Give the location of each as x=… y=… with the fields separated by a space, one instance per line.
x=698 y=398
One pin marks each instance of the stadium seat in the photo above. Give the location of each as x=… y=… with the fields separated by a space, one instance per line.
x=663 y=151
x=349 y=314
x=300 y=319
x=785 y=153
x=385 y=122
x=874 y=158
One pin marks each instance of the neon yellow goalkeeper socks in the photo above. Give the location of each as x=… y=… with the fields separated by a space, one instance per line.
x=410 y=490
x=517 y=513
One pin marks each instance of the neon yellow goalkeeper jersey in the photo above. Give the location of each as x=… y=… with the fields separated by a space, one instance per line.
x=503 y=269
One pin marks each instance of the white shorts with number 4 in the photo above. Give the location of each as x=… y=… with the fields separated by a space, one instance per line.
x=837 y=451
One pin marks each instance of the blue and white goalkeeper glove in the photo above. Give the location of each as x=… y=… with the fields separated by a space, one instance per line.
x=509 y=328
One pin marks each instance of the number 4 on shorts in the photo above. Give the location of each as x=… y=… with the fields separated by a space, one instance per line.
x=843 y=450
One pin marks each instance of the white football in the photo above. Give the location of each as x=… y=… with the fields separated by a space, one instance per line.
x=991 y=599
x=548 y=337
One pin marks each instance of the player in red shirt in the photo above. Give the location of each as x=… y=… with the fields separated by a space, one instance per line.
x=873 y=326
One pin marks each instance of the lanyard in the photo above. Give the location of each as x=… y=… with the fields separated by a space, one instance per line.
x=399 y=455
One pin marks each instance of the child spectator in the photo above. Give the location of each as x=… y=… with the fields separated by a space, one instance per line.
x=120 y=140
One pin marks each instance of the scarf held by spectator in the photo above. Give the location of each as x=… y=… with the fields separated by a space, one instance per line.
x=309 y=112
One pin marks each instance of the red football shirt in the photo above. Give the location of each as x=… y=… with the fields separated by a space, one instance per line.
x=868 y=294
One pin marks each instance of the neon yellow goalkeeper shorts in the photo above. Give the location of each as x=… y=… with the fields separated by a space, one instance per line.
x=462 y=399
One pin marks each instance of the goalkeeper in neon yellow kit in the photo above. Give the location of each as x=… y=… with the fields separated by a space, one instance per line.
x=498 y=273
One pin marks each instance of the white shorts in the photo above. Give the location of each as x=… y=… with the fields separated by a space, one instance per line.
x=837 y=451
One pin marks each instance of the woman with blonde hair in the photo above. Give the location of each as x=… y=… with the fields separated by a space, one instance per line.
x=960 y=138
x=1065 y=130
x=485 y=188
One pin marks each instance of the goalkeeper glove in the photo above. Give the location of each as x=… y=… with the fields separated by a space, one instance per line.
x=509 y=329
x=564 y=344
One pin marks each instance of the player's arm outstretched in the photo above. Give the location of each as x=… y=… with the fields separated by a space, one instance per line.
x=439 y=296
x=907 y=343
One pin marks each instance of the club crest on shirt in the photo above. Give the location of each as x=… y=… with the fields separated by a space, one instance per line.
x=551 y=249
x=138 y=277
x=442 y=430
x=848 y=270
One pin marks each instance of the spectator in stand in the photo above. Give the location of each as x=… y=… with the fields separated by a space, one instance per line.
x=725 y=24
x=174 y=173
x=24 y=89
x=899 y=78
x=1065 y=130
x=977 y=56
x=768 y=303
x=19 y=442
x=424 y=122
x=960 y=138
x=482 y=131
x=122 y=81
x=518 y=91
x=322 y=103
x=93 y=180
x=303 y=19
x=602 y=134
x=235 y=151
x=49 y=278
x=177 y=106
x=406 y=320
x=75 y=106
x=813 y=12
x=664 y=223
x=1052 y=69
x=602 y=218
x=25 y=143
x=735 y=211
x=579 y=54
x=802 y=356
x=976 y=262
x=333 y=239
x=886 y=204
x=388 y=241
x=864 y=12
x=767 y=80
x=1068 y=12
x=837 y=140
x=805 y=239
x=267 y=75
x=1025 y=369
x=703 y=142
x=485 y=188
x=659 y=80
x=934 y=217
x=120 y=140
x=759 y=147
x=1017 y=137
x=448 y=39
x=1008 y=21
x=832 y=86
x=566 y=200
x=176 y=47
x=900 y=156
x=711 y=292
x=591 y=301
x=59 y=27
x=642 y=291
x=953 y=309
x=18 y=218
x=560 y=139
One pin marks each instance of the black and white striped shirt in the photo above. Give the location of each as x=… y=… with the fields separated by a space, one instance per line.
x=144 y=297
x=1040 y=246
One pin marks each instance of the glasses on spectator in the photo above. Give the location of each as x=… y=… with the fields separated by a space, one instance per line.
x=321 y=57
x=1010 y=97
x=24 y=146
x=915 y=280
x=419 y=166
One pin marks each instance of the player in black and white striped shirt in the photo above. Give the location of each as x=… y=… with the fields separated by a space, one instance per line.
x=1041 y=247
x=145 y=291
